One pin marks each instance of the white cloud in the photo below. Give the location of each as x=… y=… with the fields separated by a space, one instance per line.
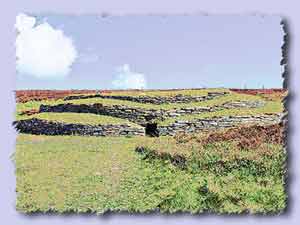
x=127 y=79
x=41 y=50
x=24 y=22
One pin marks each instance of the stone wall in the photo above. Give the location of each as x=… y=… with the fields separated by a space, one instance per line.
x=38 y=126
x=216 y=123
x=141 y=115
x=133 y=114
x=242 y=104
x=136 y=115
x=153 y=99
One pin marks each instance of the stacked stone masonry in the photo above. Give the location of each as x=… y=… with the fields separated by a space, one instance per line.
x=140 y=115
x=153 y=99
x=136 y=115
x=38 y=126
x=216 y=123
x=143 y=116
x=242 y=104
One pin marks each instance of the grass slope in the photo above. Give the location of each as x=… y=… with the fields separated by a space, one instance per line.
x=95 y=174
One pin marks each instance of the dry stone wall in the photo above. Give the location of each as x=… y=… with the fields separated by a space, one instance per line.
x=141 y=115
x=133 y=114
x=216 y=123
x=242 y=104
x=38 y=126
x=153 y=99
x=136 y=115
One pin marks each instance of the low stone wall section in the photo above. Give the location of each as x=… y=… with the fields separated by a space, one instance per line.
x=136 y=115
x=242 y=104
x=38 y=126
x=140 y=115
x=133 y=114
x=199 y=125
x=153 y=99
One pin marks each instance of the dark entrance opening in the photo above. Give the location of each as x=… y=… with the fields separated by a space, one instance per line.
x=151 y=130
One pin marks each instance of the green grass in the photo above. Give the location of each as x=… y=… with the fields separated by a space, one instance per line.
x=80 y=118
x=95 y=174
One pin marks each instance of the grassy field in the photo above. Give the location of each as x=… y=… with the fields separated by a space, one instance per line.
x=232 y=171
x=95 y=174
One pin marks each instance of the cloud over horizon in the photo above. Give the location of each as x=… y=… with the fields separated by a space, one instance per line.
x=41 y=50
x=126 y=79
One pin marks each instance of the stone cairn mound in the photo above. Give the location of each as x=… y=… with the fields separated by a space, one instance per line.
x=146 y=119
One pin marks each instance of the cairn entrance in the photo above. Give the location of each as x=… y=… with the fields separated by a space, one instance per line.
x=151 y=130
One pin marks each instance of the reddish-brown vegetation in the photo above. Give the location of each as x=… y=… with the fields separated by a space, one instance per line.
x=246 y=137
x=38 y=95
x=259 y=91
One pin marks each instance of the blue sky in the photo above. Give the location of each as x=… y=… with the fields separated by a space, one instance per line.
x=155 y=52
